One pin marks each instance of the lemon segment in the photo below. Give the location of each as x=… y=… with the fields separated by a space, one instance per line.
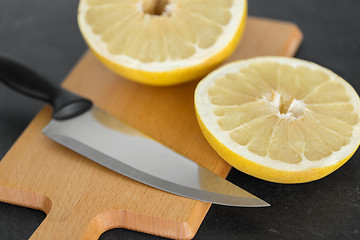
x=162 y=42
x=280 y=119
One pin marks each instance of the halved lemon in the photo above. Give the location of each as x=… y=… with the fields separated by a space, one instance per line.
x=162 y=42
x=280 y=119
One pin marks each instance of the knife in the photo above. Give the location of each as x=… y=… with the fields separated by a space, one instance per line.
x=86 y=129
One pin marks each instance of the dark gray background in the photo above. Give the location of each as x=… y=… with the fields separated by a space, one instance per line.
x=44 y=34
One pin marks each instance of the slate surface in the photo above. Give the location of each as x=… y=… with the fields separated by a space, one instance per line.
x=44 y=34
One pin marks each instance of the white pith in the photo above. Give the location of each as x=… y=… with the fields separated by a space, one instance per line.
x=205 y=110
x=201 y=55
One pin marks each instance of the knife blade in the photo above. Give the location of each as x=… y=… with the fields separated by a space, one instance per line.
x=86 y=129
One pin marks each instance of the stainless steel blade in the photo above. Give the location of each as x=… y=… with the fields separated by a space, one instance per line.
x=106 y=140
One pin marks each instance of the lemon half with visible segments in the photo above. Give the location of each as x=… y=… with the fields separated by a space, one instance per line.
x=280 y=119
x=162 y=42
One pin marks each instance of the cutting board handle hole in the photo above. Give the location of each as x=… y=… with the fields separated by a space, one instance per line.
x=25 y=198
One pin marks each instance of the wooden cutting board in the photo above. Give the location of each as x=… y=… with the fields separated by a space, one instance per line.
x=83 y=199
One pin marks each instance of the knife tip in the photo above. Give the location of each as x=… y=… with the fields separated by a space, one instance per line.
x=255 y=202
x=244 y=202
x=262 y=203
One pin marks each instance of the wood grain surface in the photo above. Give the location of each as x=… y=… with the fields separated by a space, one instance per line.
x=83 y=199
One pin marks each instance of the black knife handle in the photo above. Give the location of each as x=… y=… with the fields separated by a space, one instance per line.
x=20 y=78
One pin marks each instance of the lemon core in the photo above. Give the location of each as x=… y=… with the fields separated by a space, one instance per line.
x=288 y=107
x=156 y=7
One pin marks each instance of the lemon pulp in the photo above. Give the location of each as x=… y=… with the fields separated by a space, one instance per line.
x=162 y=42
x=287 y=120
